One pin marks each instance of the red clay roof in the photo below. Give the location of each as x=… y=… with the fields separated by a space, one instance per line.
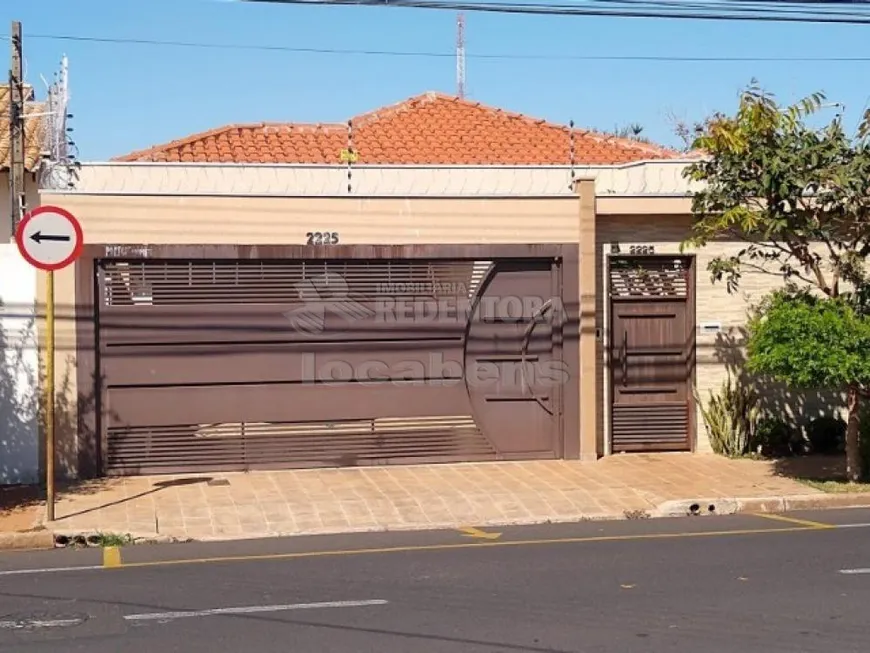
x=429 y=129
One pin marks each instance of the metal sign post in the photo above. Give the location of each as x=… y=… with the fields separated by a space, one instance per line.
x=49 y=238
x=49 y=399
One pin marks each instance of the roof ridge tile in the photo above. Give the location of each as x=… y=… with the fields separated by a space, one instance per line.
x=428 y=128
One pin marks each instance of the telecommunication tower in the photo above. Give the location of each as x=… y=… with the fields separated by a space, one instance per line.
x=460 y=54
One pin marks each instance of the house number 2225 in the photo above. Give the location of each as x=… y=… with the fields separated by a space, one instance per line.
x=322 y=238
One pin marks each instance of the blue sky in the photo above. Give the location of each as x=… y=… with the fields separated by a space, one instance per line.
x=127 y=97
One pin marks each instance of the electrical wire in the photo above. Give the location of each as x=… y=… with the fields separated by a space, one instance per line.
x=732 y=11
x=433 y=55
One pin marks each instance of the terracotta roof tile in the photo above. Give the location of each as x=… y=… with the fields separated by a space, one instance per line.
x=427 y=129
x=34 y=129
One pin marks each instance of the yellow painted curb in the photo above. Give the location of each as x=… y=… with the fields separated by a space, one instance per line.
x=111 y=557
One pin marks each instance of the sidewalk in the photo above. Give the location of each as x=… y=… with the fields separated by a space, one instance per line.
x=20 y=516
x=228 y=506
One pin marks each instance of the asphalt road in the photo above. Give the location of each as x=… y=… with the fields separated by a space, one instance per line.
x=712 y=584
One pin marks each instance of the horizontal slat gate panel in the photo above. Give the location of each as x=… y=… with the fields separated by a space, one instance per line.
x=281 y=403
x=221 y=282
x=650 y=427
x=220 y=346
x=283 y=363
x=167 y=449
x=221 y=324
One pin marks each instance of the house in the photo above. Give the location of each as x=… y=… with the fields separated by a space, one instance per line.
x=19 y=447
x=34 y=135
x=286 y=295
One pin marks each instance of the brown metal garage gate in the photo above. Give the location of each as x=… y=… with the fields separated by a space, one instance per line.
x=235 y=358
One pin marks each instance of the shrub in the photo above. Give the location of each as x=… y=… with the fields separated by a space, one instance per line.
x=775 y=438
x=827 y=434
x=730 y=417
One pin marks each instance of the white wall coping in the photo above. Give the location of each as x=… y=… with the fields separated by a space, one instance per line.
x=658 y=178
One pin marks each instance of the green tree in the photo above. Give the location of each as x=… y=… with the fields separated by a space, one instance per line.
x=810 y=341
x=797 y=198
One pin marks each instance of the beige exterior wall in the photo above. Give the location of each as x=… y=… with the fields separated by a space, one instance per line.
x=257 y=220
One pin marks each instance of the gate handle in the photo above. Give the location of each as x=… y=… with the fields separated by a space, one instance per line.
x=624 y=359
x=524 y=351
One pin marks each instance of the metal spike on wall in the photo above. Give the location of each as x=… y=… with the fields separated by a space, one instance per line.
x=571 y=151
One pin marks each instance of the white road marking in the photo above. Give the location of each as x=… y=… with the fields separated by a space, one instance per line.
x=18 y=572
x=855 y=571
x=866 y=525
x=251 y=609
x=37 y=623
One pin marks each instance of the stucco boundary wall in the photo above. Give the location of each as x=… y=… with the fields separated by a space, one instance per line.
x=124 y=204
x=19 y=364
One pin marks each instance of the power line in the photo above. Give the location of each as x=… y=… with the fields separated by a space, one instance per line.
x=732 y=11
x=423 y=54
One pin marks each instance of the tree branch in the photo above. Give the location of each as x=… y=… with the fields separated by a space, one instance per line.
x=793 y=273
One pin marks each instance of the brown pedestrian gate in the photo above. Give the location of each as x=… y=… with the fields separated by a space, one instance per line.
x=215 y=363
x=652 y=343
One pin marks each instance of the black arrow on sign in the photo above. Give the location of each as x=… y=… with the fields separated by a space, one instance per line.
x=40 y=237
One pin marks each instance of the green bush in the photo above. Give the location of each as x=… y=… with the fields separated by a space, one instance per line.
x=730 y=417
x=775 y=438
x=827 y=434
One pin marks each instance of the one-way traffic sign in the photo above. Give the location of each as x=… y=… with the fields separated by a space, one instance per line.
x=39 y=237
x=49 y=238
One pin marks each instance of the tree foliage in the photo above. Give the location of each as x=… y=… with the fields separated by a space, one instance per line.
x=810 y=342
x=797 y=196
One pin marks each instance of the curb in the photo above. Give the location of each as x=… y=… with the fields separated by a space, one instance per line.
x=45 y=539
x=771 y=504
x=30 y=540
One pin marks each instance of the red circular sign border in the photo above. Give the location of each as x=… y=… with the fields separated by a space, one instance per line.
x=77 y=228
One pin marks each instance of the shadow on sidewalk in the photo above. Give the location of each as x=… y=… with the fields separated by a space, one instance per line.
x=156 y=487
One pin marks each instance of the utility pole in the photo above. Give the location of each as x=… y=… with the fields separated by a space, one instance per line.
x=16 y=129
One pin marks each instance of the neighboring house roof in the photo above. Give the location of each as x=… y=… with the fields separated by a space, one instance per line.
x=429 y=129
x=34 y=129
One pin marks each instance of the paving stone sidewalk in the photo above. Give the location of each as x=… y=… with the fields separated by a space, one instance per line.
x=227 y=506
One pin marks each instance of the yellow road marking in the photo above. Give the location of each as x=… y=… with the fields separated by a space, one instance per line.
x=471 y=531
x=793 y=520
x=111 y=557
x=469 y=545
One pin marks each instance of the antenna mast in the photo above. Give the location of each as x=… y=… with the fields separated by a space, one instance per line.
x=460 y=54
